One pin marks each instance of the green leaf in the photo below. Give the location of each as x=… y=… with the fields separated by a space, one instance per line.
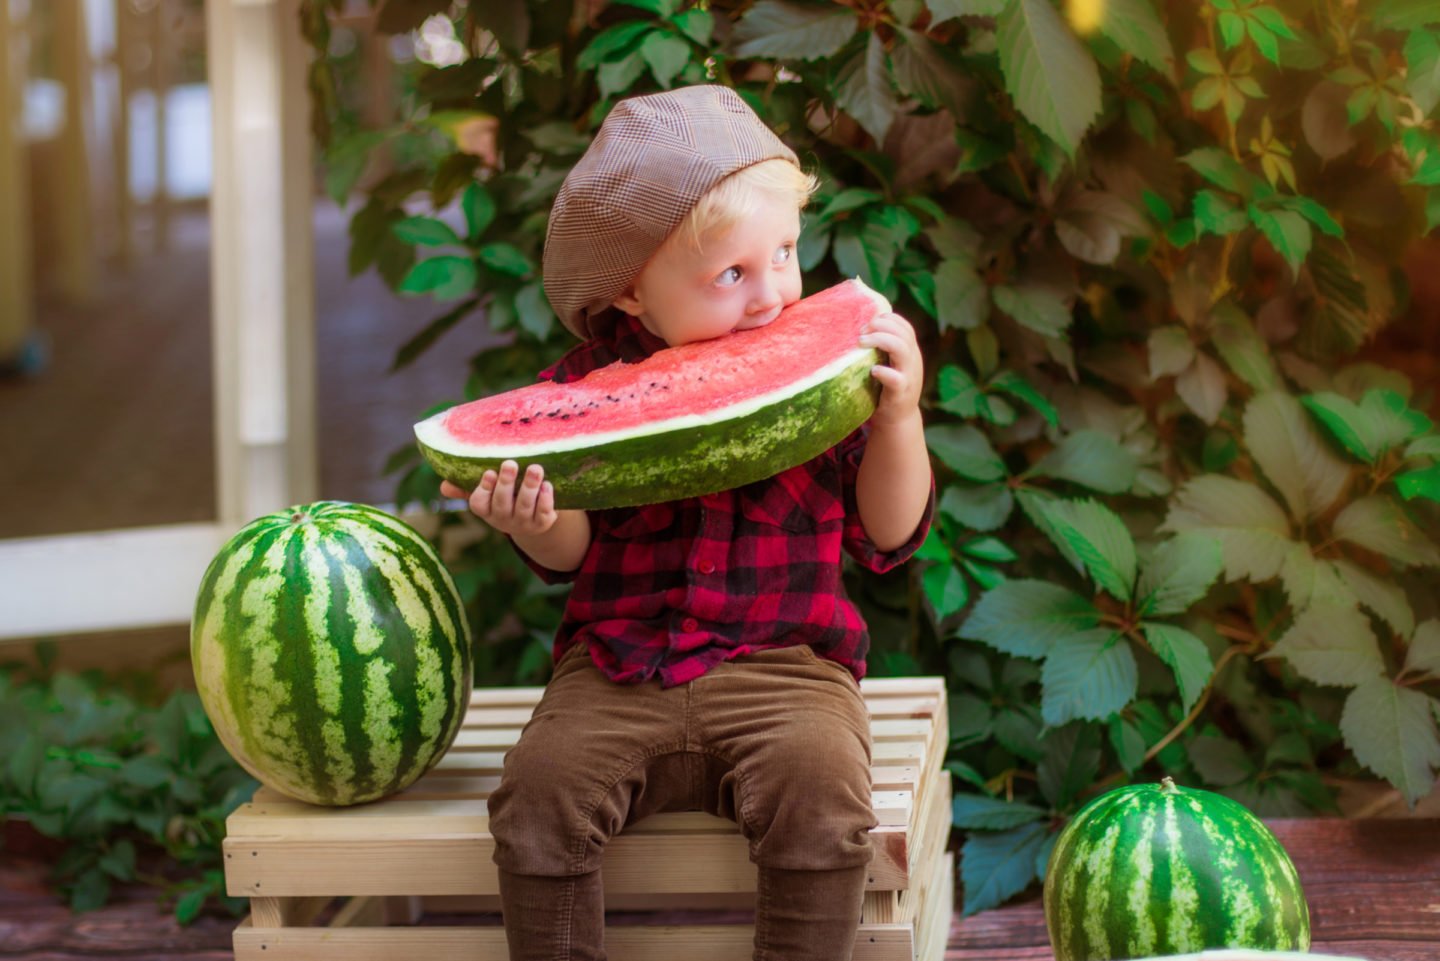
x=1378 y=524
x=424 y=232
x=1242 y=348
x=618 y=76
x=1422 y=77
x=983 y=507
x=1253 y=531
x=1171 y=351
x=1026 y=617
x=1090 y=459
x=1040 y=309
x=1395 y=423
x=1284 y=442
x=1099 y=538
x=995 y=867
x=1424 y=482
x=1018 y=728
x=1049 y=74
x=444 y=278
x=1214 y=213
x=536 y=317
x=976 y=812
x=966 y=451
x=1330 y=643
x=189 y=905
x=1090 y=675
x=1219 y=760
x=613 y=43
x=1221 y=169
x=1346 y=422
x=863 y=90
x=989 y=549
x=961 y=297
x=1178 y=573
x=1288 y=232
x=945 y=588
x=1011 y=383
x=697 y=24
x=1138 y=30
x=1186 y=655
x=666 y=55
x=506 y=258
x=479 y=210
x=1127 y=742
x=1383 y=596
x=1406 y=14
x=1423 y=654
x=778 y=30
x=924 y=69
x=1391 y=730
x=1072 y=759
x=1315 y=213
x=949 y=9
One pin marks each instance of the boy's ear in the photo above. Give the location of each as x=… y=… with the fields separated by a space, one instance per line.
x=629 y=303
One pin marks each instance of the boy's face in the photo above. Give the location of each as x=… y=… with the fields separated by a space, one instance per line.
x=742 y=279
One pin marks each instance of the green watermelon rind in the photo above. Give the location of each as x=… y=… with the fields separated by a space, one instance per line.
x=1148 y=870
x=335 y=689
x=693 y=461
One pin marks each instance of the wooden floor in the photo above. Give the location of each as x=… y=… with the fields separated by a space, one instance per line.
x=1373 y=886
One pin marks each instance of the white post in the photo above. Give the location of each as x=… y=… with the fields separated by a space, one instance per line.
x=78 y=270
x=17 y=311
x=262 y=260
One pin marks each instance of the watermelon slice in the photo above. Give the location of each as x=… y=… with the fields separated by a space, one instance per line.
x=685 y=421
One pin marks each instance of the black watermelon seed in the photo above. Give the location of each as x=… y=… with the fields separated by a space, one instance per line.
x=564 y=416
x=524 y=420
x=505 y=423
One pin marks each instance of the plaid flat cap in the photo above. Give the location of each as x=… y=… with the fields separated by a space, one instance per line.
x=654 y=157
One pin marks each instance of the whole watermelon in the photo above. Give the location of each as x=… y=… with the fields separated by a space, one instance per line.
x=331 y=652
x=1154 y=869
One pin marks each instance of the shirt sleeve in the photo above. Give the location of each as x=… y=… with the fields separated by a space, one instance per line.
x=856 y=542
x=544 y=573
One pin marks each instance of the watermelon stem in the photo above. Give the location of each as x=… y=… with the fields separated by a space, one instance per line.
x=1167 y=786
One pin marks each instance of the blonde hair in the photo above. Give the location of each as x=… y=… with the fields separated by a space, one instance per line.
x=740 y=195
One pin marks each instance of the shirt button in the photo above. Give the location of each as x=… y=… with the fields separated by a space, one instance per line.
x=707 y=567
x=689 y=624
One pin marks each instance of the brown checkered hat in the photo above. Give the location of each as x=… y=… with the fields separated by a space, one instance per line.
x=654 y=157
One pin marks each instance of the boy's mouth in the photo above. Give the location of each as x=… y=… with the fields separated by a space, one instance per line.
x=761 y=321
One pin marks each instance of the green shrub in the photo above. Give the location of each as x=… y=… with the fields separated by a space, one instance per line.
x=1185 y=526
x=125 y=777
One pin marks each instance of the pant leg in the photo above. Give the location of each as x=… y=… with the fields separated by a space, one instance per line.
x=796 y=728
x=594 y=757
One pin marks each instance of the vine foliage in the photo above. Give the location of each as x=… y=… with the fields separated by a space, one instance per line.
x=1188 y=508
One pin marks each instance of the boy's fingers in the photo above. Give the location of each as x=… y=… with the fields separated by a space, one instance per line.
x=504 y=499
x=529 y=491
x=448 y=489
x=545 y=504
x=480 y=501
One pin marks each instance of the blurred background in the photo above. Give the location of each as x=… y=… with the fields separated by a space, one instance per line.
x=107 y=354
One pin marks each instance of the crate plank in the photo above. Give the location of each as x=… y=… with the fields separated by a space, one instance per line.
x=728 y=942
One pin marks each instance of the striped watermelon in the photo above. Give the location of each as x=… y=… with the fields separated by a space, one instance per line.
x=1158 y=870
x=331 y=652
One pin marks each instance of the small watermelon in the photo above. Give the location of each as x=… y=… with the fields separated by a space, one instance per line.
x=689 y=420
x=1160 y=870
x=331 y=652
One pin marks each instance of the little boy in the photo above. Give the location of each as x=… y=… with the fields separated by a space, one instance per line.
x=708 y=658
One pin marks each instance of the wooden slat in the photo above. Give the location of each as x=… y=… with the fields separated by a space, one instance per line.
x=461 y=864
x=729 y=942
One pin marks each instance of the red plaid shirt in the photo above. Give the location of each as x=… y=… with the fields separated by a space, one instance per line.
x=673 y=589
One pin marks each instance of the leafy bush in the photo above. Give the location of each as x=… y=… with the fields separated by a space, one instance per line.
x=1145 y=255
x=124 y=778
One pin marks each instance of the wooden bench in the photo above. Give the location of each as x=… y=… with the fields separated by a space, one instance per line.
x=359 y=884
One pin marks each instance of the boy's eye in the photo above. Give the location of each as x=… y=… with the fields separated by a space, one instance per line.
x=783 y=254
x=723 y=282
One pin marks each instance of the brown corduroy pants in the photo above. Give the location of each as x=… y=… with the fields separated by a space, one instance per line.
x=777 y=741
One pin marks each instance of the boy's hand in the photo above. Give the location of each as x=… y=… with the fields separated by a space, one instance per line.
x=904 y=376
x=496 y=501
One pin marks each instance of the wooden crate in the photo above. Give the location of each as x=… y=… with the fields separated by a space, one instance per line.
x=356 y=884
